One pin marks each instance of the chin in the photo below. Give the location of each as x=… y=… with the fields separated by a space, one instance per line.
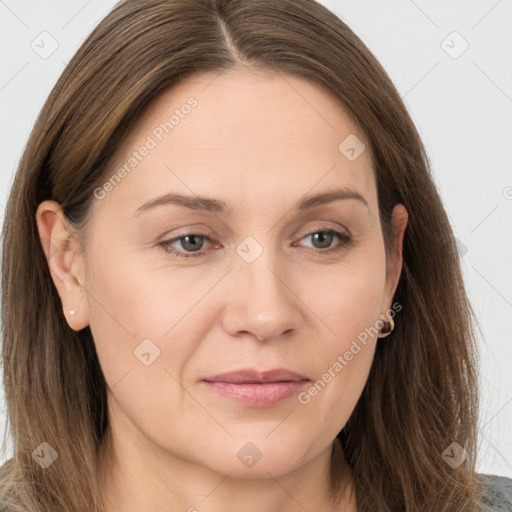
x=258 y=457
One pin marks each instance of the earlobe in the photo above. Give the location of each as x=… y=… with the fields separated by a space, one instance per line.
x=61 y=248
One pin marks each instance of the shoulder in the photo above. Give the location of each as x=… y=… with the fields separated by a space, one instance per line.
x=497 y=493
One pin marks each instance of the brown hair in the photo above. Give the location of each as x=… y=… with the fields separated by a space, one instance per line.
x=421 y=394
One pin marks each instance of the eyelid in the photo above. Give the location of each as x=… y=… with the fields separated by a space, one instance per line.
x=327 y=228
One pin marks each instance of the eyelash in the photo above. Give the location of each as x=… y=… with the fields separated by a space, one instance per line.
x=346 y=240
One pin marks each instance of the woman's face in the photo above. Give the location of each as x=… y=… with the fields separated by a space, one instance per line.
x=240 y=269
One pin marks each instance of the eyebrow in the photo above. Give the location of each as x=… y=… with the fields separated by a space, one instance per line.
x=217 y=206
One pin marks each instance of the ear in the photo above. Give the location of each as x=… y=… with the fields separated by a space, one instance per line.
x=394 y=264
x=65 y=261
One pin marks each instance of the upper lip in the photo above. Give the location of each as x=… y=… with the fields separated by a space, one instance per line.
x=251 y=376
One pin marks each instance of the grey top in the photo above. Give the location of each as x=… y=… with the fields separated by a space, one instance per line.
x=497 y=496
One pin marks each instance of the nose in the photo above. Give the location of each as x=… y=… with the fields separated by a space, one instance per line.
x=261 y=302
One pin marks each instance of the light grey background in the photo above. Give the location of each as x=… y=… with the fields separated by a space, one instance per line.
x=460 y=100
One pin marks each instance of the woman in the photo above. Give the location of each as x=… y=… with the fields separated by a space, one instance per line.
x=240 y=286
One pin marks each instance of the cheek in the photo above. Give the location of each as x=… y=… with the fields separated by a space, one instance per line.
x=140 y=319
x=348 y=302
x=144 y=327
x=347 y=297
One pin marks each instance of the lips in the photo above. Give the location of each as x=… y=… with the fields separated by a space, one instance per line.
x=252 y=376
x=256 y=388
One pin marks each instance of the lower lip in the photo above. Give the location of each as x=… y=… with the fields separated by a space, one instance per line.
x=257 y=394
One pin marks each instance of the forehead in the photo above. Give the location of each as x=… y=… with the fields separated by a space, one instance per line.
x=242 y=133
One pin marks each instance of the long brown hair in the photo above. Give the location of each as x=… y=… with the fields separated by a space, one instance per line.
x=421 y=394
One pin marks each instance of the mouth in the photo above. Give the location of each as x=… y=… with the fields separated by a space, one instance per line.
x=256 y=388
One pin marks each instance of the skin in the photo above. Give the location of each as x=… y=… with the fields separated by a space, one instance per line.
x=259 y=142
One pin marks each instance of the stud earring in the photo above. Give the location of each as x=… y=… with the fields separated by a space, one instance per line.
x=72 y=312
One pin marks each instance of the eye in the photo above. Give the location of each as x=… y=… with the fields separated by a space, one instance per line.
x=192 y=243
x=323 y=239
